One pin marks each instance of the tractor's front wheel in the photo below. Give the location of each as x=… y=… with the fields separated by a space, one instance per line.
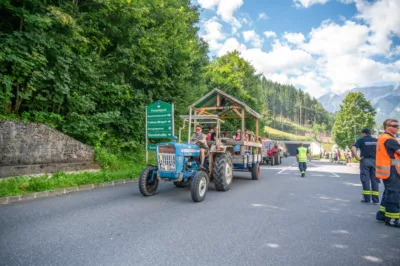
x=148 y=183
x=199 y=186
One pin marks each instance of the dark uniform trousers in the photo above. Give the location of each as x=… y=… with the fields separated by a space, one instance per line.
x=302 y=166
x=380 y=215
x=369 y=182
x=391 y=202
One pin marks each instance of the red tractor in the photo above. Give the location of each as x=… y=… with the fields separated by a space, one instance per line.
x=271 y=152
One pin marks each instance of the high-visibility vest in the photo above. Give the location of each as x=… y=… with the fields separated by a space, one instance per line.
x=383 y=161
x=302 y=154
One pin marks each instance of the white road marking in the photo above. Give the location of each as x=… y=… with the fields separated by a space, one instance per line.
x=373 y=259
x=334 y=175
x=273 y=245
x=284 y=170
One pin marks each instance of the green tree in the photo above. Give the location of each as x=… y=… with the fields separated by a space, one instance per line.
x=90 y=67
x=355 y=113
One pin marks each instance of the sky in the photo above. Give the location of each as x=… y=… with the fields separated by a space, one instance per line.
x=319 y=46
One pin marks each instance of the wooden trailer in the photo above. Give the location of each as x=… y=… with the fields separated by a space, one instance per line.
x=225 y=106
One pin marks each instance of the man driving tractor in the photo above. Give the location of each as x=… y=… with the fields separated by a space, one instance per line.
x=200 y=139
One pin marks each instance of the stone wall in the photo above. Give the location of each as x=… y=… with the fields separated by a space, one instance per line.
x=31 y=148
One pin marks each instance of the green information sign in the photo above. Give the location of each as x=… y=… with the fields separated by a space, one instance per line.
x=159 y=120
x=159 y=123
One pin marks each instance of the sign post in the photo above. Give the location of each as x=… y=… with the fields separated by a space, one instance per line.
x=159 y=123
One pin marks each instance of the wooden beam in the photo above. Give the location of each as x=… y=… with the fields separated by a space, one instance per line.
x=218 y=100
x=219 y=108
x=242 y=133
x=236 y=111
x=256 y=129
x=235 y=116
x=204 y=112
x=194 y=122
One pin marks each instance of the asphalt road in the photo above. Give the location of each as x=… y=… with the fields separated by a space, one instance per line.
x=281 y=219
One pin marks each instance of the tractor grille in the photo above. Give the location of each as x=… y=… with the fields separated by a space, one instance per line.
x=166 y=162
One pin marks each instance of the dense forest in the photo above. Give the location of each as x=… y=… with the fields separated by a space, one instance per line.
x=89 y=67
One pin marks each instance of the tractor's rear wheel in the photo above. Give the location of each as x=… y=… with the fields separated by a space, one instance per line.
x=276 y=158
x=148 y=185
x=255 y=171
x=223 y=171
x=199 y=186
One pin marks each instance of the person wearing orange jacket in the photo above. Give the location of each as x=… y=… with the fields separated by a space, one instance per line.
x=388 y=169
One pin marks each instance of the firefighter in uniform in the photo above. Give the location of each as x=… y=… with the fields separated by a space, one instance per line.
x=301 y=156
x=370 y=184
x=388 y=169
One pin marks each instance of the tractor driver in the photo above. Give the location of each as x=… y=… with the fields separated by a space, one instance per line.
x=200 y=139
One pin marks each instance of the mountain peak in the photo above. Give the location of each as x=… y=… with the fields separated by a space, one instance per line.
x=385 y=99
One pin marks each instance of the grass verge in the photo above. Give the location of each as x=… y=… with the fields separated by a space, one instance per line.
x=276 y=134
x=114 y=167
x=27 y=184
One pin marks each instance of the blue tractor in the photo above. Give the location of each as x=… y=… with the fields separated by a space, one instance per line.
x=180 y=163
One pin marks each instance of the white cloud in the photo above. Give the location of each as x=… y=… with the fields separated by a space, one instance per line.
x=280 y=78
x=263 y=16
x=269 y=34
x=213 y=33
x=295 y=38
x=226 y=8
x=349 y=71
x=208 y=4
x=310 y=82
x=384 y=20
x=281 y=59
x=247 y=21
x=230 y=45
x=308 y=3
x=234 y=29
x=334 y=56
x=331 y=39
x=252 y=37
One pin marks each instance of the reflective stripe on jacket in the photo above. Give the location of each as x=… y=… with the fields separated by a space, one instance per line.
x=383 y=161
x=302 y=154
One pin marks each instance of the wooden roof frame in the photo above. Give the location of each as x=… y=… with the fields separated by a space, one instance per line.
x=235 y=105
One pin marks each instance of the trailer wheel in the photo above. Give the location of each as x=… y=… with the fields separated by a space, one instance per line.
x=255 y=171
x=199 y=186
x=276 y=158
x=223 y=171
x=147 y=186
